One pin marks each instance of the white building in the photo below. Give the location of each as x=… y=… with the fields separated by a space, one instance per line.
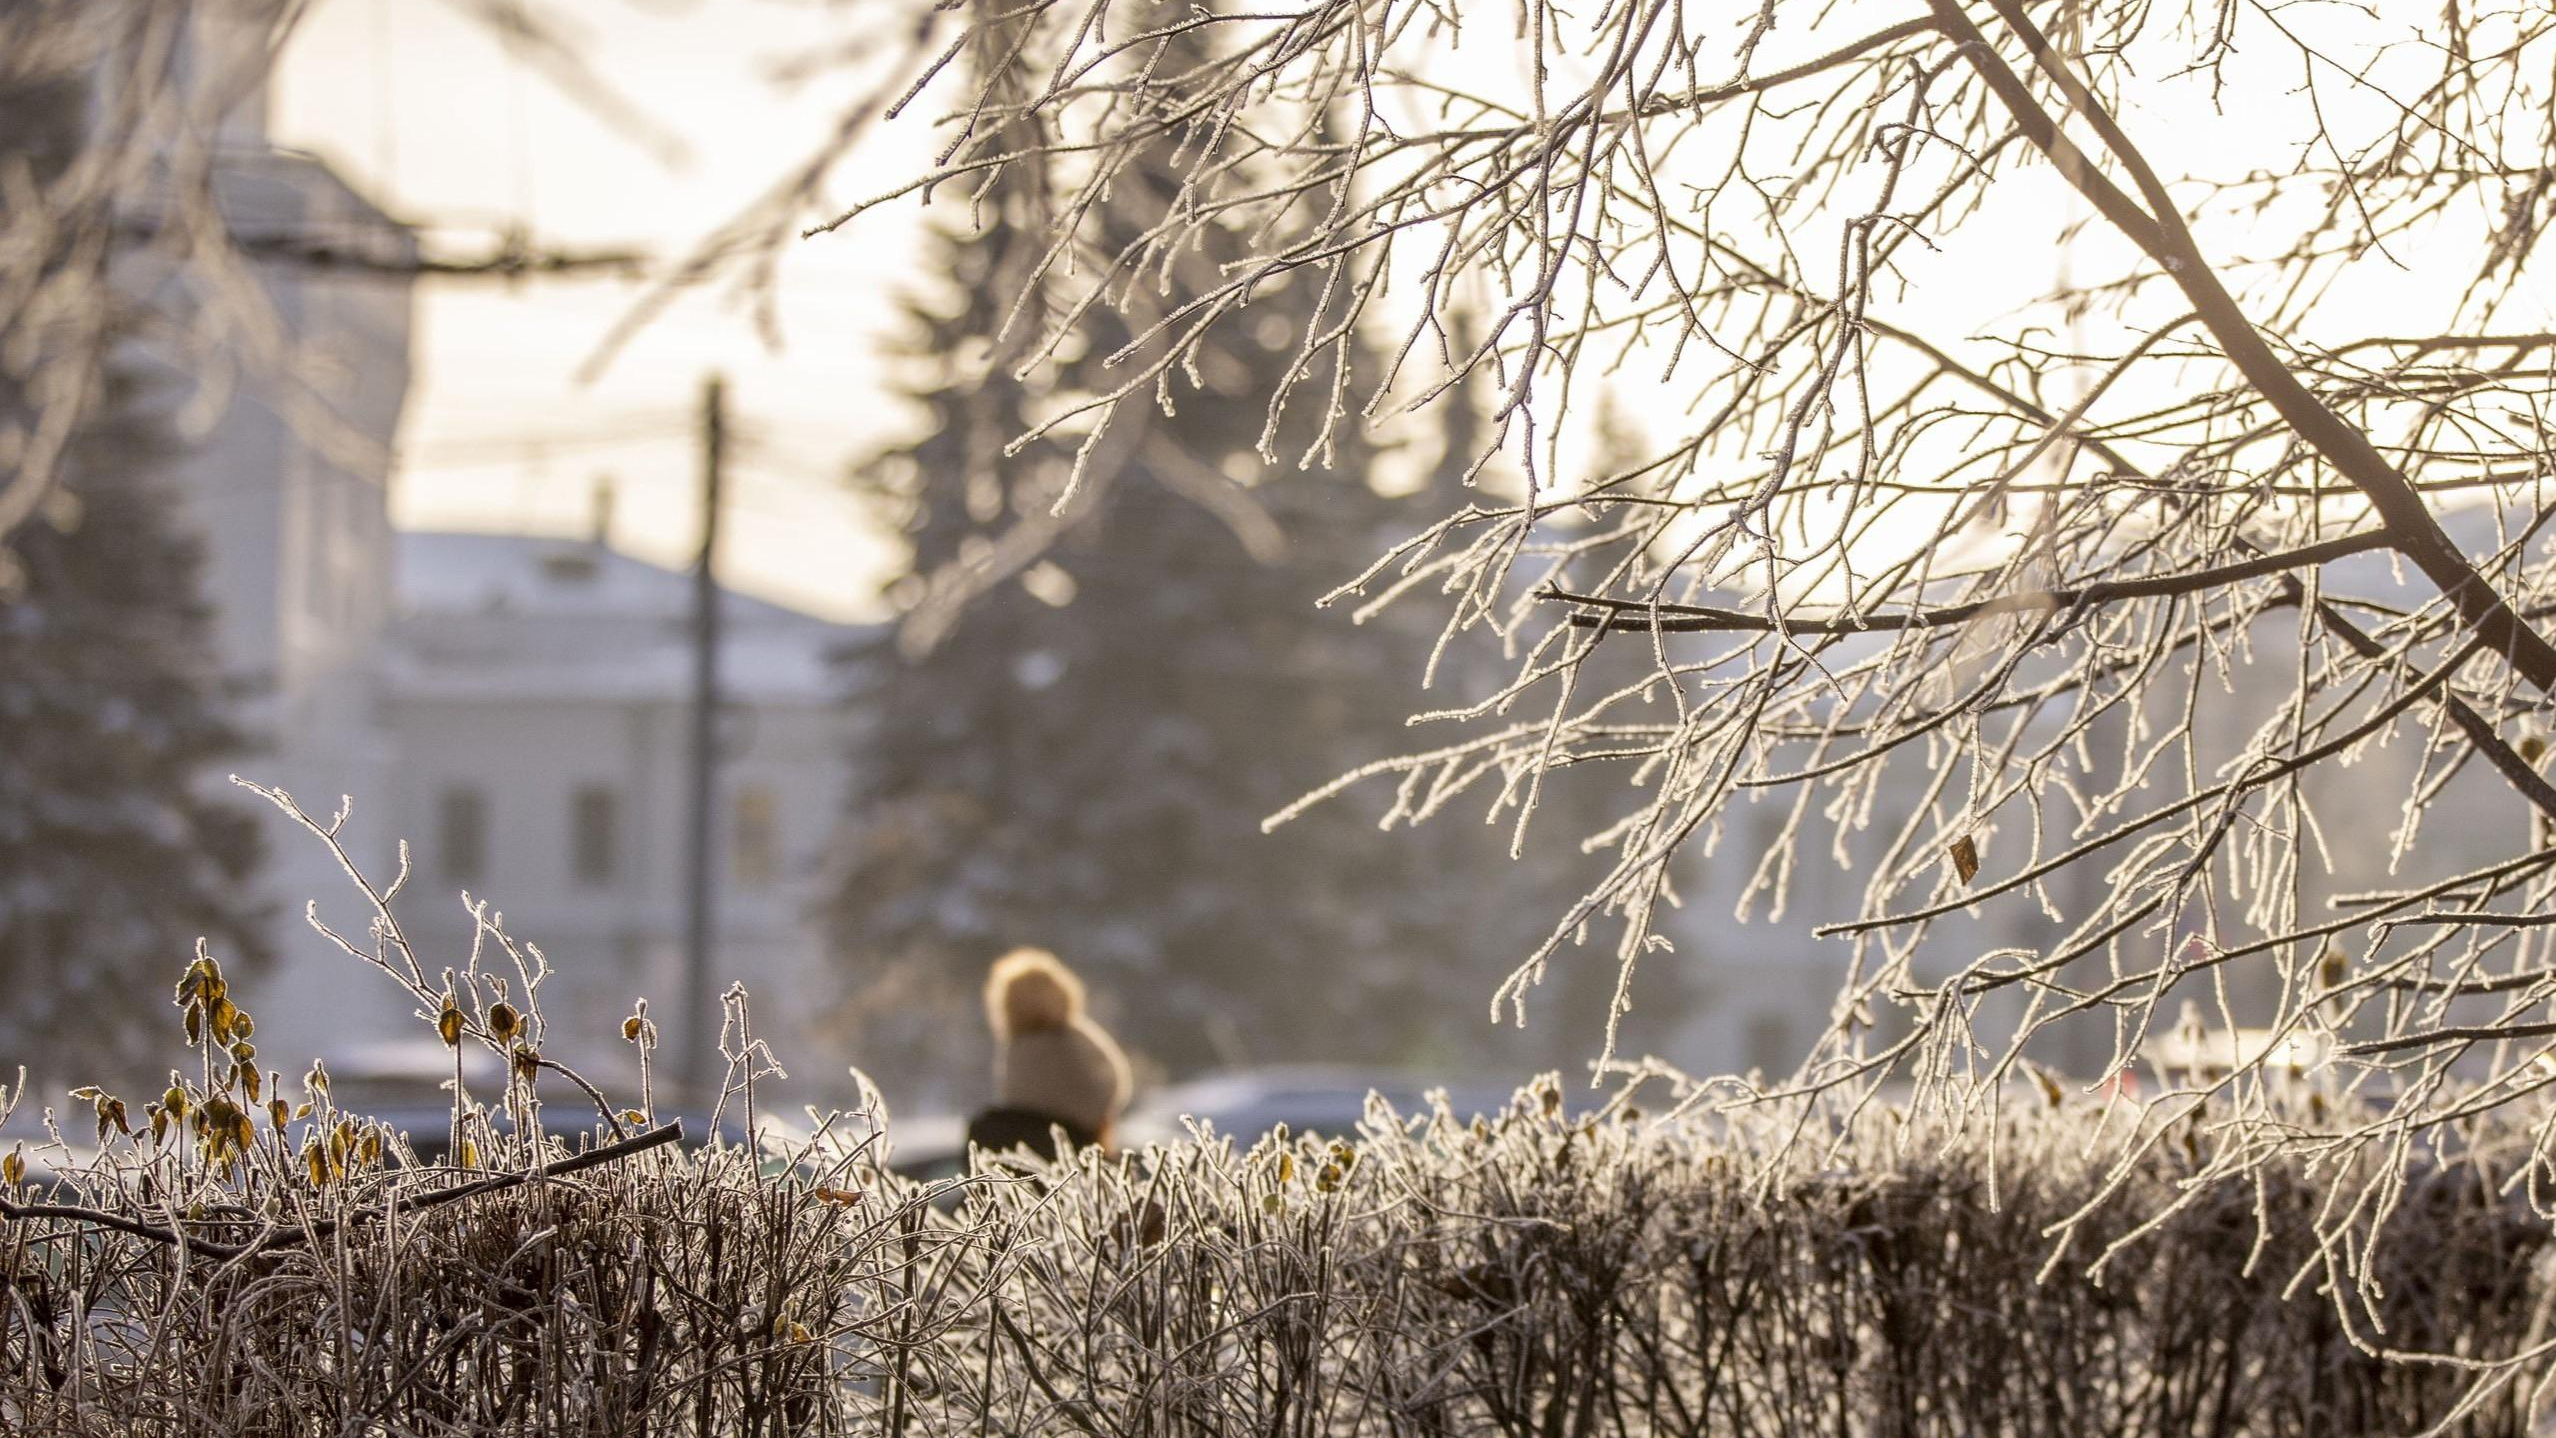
x=515 y=708
x=288 y=396
x=538 y=697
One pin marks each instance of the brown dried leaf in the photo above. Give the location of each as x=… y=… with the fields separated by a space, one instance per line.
x=1965 y=858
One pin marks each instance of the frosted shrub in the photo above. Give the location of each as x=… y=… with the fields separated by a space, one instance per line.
x=1552 y=1274
x=243 y=1257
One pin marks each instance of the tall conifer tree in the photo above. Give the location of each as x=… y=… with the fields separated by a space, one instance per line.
x=1085 y=719
x=117 y=851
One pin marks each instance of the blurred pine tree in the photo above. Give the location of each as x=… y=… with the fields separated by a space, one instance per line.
x=1084 y=718
x=118 y=850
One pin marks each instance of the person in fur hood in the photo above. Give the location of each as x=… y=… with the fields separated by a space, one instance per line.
x=1053 y=1066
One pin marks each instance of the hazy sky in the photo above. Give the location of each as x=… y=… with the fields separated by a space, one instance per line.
x=422 y=107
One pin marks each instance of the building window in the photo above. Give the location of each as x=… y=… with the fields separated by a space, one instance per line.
x=594 y=834
x=755 y=843
x=461 y=834
x=1770 y=1044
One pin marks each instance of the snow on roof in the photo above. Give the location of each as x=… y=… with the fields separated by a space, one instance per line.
x=533 y=574
x=510 y=615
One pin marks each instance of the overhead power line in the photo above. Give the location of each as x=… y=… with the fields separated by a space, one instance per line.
x=515 y=256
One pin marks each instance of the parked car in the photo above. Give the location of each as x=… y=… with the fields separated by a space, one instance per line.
x=928 y=1147
x=427 y=1124
x=1244 y=1104
x=407 y=1085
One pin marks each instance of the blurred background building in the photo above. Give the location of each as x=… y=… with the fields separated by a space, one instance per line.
x=511 y=706
x=287 y=434
x=537 y=697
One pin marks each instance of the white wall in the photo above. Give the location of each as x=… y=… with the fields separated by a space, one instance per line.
x=291 y=414
x=613 y=942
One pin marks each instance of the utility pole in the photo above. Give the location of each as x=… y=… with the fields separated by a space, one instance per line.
x=698 y=1028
